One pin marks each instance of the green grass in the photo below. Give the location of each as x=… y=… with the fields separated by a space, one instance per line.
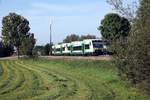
x=63 y=80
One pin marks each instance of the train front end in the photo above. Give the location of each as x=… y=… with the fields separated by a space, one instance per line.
x=99 y=47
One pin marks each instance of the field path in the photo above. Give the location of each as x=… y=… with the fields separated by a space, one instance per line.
x=93 y=58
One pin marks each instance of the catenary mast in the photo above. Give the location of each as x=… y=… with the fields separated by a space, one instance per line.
x=50 y=38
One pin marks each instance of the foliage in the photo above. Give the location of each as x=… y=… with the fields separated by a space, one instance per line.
x=113 y=27
x=87 y=37
x=133 y=61
x=114 y=30
x=74 y=37
x=28 y=45
x=128 y=10
x=138 y=53
x=70 y=38
x=6 y=50
x=43 y=50
x=47 y=49
x=39 y=50
x=15 y=30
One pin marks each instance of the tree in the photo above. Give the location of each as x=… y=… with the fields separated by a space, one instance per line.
x=39 y=50
x=113 y=27
x=137 y=69
x=128 y=10
x=87 y=37
x=115 y=30
x=15 y=29
x=134 y=66
x=28 y=44
x=6 y=50
x=70 y=38
x=74 y=37
x=47 y=49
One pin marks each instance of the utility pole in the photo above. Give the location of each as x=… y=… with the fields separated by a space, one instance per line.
x=50 y=38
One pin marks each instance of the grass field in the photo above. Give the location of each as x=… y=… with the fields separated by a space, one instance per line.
x=63 y=80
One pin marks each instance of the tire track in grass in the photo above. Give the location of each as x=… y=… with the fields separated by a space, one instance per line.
x=45 y=75
x=92 y=91
x=24 y=66
x=21 y=96
x=1 y=70
x=5 y=75
x=28 y=80
x=58 y=80
x=32 y=86
x=19 y=80
x=64 y=85
x=82 y=88
x=8 y=79
x=42 y=82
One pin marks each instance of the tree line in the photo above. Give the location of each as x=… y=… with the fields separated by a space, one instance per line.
x=75 y=37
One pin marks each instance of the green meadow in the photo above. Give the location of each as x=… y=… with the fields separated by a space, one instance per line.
x=44 y=79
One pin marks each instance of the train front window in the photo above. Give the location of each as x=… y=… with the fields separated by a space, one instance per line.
x=69 y=48
x=58 y=49
x=97 y=44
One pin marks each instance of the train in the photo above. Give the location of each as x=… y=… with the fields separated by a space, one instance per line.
x=85 y=47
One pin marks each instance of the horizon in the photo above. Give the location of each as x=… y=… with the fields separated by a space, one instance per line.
x=69 y=17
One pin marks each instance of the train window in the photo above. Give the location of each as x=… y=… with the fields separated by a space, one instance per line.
x=58 y=49
x=69 y=48
x=63 y=49
x=97 y=45
x=77 y=48
x=53 y=49
x=97 y=41
x=87 y=46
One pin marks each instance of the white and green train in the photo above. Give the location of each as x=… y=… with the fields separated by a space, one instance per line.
x=85 y=47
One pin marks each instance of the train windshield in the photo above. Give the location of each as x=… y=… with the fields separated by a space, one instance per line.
x=97 y=44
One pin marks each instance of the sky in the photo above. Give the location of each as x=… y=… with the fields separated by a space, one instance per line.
x=79 y=17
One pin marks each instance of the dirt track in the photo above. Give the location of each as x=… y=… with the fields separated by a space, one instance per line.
x=11 y=58
x=107 y=58
x=80 y=57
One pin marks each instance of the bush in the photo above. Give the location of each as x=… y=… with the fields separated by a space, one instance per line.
x=135 y=66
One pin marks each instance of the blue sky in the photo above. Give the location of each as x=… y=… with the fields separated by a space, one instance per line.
x=68 y=16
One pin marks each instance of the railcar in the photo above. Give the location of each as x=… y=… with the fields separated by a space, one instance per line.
x=85 y=47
